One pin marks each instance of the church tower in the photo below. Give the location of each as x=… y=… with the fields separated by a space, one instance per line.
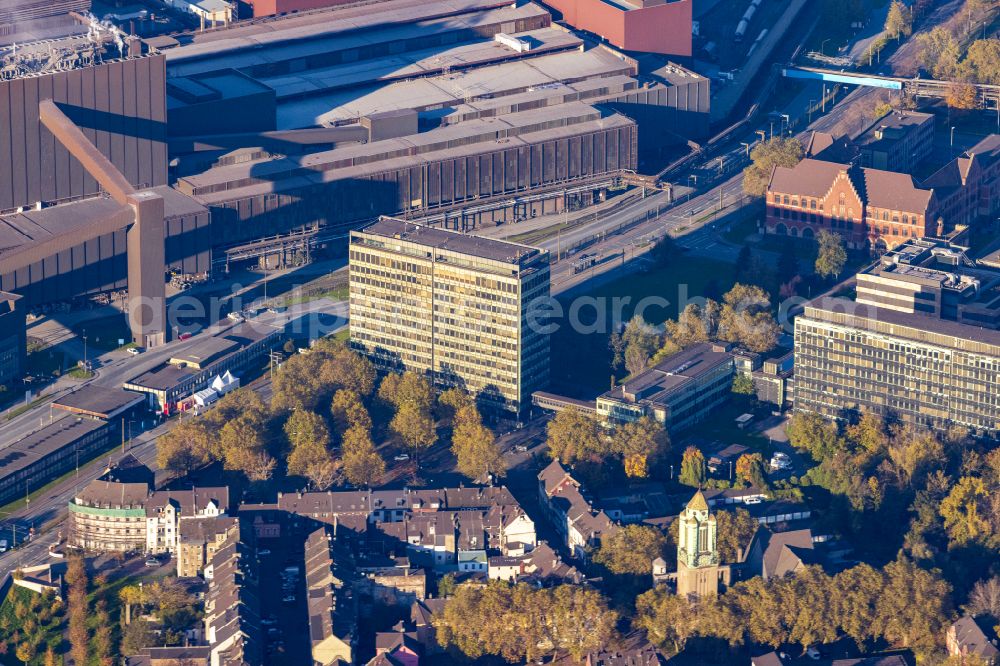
x=698 y=569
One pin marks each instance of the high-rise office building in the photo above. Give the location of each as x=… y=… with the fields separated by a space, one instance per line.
x=919 y=342
x=452 y=305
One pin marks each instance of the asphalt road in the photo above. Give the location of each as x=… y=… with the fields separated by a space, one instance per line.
x=46 y=513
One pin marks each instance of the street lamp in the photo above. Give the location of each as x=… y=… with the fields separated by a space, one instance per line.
x=822 y=47
x=747 y=146
x=952 y=146
x=812 y=105
x=787 y=123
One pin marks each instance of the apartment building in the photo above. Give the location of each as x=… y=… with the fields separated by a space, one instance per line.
x=898 y=141
x=451 y=305
x=120 y=512
x=920 y=342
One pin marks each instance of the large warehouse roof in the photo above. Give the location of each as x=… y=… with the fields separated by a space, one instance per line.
x=456 y=88
x=313 y=25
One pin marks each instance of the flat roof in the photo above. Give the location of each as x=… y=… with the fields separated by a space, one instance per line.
x=316 y=24
x=254 y=55
x=414 y=64
x=45 y=441
x=657 y=383
x=205 y=352
x=37 y=226
x=899 y=122
x=901 y=324
x=454 y=241
x=162 y=378
x=97 y=401
x=455 y=88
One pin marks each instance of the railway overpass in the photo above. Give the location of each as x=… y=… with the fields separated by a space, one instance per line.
x=987 y=96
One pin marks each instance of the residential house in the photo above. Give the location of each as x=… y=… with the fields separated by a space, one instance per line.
x=969 y=636
x=332 y=607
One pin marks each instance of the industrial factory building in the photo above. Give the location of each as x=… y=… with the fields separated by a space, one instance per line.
x=276 y=136
x=110 y=89
x=415 y=109
x=653 y=26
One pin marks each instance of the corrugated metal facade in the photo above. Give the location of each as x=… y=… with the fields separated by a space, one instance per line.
x=120 y=106
x=425 y=187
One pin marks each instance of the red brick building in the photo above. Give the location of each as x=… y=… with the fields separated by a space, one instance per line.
x=868 y=207
x=651 y=26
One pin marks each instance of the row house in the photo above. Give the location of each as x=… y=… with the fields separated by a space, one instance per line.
x=968 y=187
x=867 y=207
x=577 y=521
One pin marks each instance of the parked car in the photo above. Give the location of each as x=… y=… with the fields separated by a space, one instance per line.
x=289 y=599
x=402 y=457
x=813 y=654
x=3 y=545
x=152 y=562
x=134 y=351
x=264 y=552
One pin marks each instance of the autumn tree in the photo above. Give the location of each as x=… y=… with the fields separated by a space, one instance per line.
x=453 y=400
x=777 y=151
x=298 y=384
x=410 y=388
x=743 y=384
x=984 y=60
x=939 y=53
x=808 y=431
x=693 y=468
x=984 y=599
x=869 y=433
x=474 y=446
x=639 y=342
x=963 y=511
x=186 y=447
x=414 y=426
x=899 y=20
x=639 y=443
x=573 y=435
x=344 y=368
x=349 y=410
x=668 y=618
x=832 y=256
x=746 y=318
x=631 y=549
x=750 y=468
x=522 y=623
x=363 y=466
x=962 y=96
x=77 y=611
x=913 y=453
x=914 y=606
x=734 y=529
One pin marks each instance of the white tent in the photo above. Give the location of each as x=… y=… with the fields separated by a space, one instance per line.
x=205 y=397
x=223 y=384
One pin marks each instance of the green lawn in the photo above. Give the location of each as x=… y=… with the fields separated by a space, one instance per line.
x=685 y=276
x=580 y=357
x=48 y=622
x=103 y=334
x=335 y=294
